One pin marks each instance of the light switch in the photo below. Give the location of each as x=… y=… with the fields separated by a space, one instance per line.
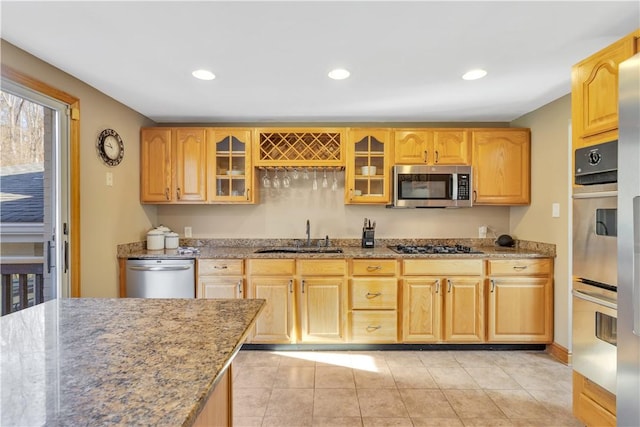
x=187 y=232
x=555 y=210
x=109 y=179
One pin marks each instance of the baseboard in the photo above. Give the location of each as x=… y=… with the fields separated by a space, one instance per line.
x=392 y=347
x=559 y=352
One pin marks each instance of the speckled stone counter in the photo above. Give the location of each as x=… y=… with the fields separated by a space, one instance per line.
x=245 y=249
x=81 y=362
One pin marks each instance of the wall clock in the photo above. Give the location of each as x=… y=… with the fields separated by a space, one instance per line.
x=110 y=147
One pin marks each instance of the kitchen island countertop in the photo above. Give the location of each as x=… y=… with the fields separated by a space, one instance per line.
x=86 y=361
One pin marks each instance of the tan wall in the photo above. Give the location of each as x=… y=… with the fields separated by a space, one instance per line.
x=109 y=215
x=283 y=215
x=550 y=170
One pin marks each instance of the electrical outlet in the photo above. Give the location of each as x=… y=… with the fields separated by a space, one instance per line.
x=109 y=179
x=187 y=232
x=555 y=210
x=482 y=231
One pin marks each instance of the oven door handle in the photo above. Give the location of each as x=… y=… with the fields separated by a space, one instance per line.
x=596 y=300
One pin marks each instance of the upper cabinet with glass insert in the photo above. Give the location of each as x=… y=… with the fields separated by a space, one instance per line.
x=369 y=160
x=230 y=169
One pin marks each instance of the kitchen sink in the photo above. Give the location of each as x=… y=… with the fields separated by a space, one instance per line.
x=300 y=250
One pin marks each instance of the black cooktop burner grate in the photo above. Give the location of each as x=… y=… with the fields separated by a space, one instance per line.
x=434 y=249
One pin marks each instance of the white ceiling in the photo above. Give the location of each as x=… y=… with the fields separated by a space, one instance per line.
x=271 y=58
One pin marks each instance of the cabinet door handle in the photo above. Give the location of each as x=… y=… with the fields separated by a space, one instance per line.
x=438 y=286
x=437 y=157
x=240 y=286
x=220 y=267
x=374 y=267
x=475 y=195
x=303 y=286
x=448 y=285
x=166 y=193
x=371 y=295
x=426 y=156
x=493 y=285
x=178 y=193
x=248 y=194
x=290 y=286
x=519 y=267
x=372 y=328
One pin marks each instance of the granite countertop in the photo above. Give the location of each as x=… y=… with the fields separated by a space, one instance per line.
x=245 y=249
x=123 y=361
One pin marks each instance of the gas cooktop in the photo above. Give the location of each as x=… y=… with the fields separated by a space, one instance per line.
x=433 y=249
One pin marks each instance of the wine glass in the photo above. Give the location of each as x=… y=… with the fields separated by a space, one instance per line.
x=286 y=181
x=314 y=185
x=295 y=173
x=334 y=184
x=276 y=180
x=305 y=173
x=266 y=182
x=325 y=183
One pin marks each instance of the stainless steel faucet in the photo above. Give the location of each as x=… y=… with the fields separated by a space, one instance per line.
x=308 y=233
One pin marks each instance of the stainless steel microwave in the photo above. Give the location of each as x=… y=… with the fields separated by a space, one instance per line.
x=421 y=186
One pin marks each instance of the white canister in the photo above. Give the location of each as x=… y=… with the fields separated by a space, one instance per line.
x=171 y=240
x=155 y=240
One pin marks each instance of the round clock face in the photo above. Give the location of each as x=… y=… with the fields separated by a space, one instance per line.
x=110 y=147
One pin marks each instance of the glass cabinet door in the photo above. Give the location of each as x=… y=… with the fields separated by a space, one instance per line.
x=368 y=167
x=232 y=175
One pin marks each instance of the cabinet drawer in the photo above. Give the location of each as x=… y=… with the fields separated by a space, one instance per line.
x=271 y=267
x=220 y=267
x=527 y=267
x=374 y=326
x=374 y=293
x=375 y=267
x=437 y=267
x=322 y=267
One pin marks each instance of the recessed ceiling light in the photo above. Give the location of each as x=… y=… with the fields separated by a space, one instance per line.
x=339 y=74
x=203 y=75
x=474 y=74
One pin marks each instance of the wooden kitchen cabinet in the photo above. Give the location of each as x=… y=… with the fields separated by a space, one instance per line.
x=368 y=148
x=230 y=169
x=432 y=146
x=273 y=280
x=520 y=300
x=220 y=278
x=443 y=300
x=173 y=165
x=592 y=404
x=373 y=301
x=594 y=93
x=322 y=300
x=190 y=165
x=501 y=166
x=156 y=165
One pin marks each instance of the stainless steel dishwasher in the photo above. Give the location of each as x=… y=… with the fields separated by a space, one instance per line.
x=160 y=278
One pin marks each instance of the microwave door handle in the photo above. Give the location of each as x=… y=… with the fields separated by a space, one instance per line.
x=636 y=266
x=454 y=186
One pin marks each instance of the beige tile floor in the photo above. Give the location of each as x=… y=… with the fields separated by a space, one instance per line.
x=401 y=388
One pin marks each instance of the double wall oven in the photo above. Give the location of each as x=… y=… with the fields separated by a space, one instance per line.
x=595 y=231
